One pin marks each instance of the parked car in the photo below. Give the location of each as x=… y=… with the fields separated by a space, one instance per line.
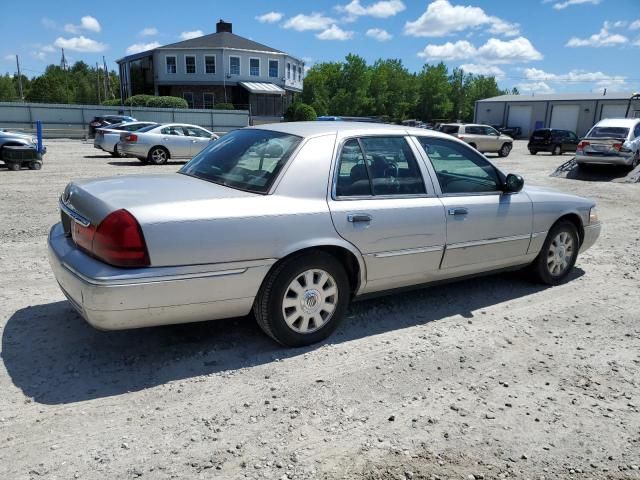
x=552 y=140
x=483 y=138
x=18 y=149
x=103 y=121
x=513 y=132
x=158 y=143
x=107 y=138
x=294 y=220
x=613 y=141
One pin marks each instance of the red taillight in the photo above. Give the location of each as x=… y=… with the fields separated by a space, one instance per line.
x=582 y=144
x=119 y=241
x=83 y=236
x=132 y=137
x=617 y=146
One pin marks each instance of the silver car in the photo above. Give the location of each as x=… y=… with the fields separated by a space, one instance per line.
x=107 y=138
x=157 y=144
x=483 y=138
x=613 y=141
x=292 y=221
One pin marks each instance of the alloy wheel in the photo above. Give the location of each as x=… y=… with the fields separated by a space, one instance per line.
x=158 y=155
x=310 y=301
x=560 y=253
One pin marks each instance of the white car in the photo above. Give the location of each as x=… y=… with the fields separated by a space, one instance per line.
x=483 y=138
x=107 y=138
x=613 y=141
x=159 y=143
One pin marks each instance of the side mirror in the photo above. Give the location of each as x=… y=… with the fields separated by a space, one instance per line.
x=513 y=183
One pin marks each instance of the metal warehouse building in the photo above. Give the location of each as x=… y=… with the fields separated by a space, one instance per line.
x=576 y=112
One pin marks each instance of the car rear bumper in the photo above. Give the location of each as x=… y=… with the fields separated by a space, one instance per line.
x=619 y=159
x=591 y=234
x=111 y=298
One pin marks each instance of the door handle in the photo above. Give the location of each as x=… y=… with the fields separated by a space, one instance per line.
x=458 y=211
x=358 y=217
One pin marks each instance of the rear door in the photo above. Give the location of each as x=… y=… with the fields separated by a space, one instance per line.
x=474 y=135
x=384 y=203
x=486 y=228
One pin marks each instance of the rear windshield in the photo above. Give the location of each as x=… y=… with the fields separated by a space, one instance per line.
x=245 y=159
x=608 y=132
x=450 y=129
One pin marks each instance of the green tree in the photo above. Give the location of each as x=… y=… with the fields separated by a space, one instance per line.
x=434 y=93
x=7 y=90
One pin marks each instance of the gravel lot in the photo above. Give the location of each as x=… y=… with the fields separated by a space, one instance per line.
x=492 y=378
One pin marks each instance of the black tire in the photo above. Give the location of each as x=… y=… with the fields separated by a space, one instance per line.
x=557 y=150
x=542 y=265
x=158 y=155
x=533 y=152
x=14 y=166
x=505 y=150
x=35 y=165
x=116 y=153
x=268 y=307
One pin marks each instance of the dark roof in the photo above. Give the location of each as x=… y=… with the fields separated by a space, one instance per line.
x=559 y=97
x=221 y=40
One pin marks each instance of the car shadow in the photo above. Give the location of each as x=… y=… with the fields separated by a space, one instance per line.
x=55 y=357
x=590 y=173
x=138 y=163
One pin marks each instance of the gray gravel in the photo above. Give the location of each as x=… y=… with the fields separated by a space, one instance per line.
x=488 y=378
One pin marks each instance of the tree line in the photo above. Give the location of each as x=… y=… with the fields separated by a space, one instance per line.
x=387 y=89
x=80 y=84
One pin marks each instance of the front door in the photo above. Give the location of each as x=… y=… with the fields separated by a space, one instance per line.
x=486 y=228
x=381 y=203
x=199 y=139
x=176 y=140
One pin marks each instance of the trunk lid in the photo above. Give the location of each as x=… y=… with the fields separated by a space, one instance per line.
x=604 y=146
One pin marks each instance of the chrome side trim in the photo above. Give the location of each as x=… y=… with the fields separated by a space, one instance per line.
x=488 y=241
x=537 y=234
x=409 y=251
x=75 y=216
x=146 y=280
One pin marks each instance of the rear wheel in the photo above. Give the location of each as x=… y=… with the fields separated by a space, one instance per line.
x=14 y=166
x=505 y=150
x=558 y=255
x=557 y=150
x=303 y=299
x=158 y=155
x=116 y=153
x=533 y=152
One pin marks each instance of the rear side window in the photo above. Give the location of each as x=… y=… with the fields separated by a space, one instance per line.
x=541 y=133
x=450 y=129
x=471 y=130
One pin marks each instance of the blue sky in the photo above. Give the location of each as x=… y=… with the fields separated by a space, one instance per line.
x=537 y=45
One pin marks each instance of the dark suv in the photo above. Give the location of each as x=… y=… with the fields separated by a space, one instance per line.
x=103 y=121
x=552 y=140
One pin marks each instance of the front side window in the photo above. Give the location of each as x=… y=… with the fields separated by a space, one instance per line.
x=173 y=130
x=190 y=64
x=171 y=64
x=254 y=67
x=378 y=166
x=273 y=68
x=196 y=132
x=247 y=159
x=491 y=131
x=234 y=65
x=210 y=64
x=459 y=168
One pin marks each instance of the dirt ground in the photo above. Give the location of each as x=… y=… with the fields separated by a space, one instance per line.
x=489 y=378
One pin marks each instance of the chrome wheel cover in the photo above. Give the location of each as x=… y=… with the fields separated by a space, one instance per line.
x=310 y=301
x=159 y=155
x=560 y=253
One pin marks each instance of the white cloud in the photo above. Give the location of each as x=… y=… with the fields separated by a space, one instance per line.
x=379 y=34
x=39 y=55
x=10 y=57
x=334 y=33
x=148 y=32
x=48 y=23
x=381 y=9
x=576 y=76
x=603 y=38
x=141 y=47
x=441 y=18
x=568 y=3
x=494 y=51
x=87 y=23
x=271 y=17
x=315 y=21
x=80 y=44
x=48 y=49
x=635 y=25
x=191 y=34
x=487 y=70
x=534 y=87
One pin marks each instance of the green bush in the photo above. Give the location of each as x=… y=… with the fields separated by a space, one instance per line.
x=167 y=102
x=300 y=112
x=138 y=100
x=116 y=102
x=224 y=106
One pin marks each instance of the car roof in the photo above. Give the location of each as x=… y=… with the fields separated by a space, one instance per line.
x=618 y=122
x=311 y=129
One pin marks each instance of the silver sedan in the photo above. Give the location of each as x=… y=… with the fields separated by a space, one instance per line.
x=107 y=138
x=293 y=221
x=158 y=143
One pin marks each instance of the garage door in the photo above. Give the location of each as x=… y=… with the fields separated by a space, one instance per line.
x=565 y=117
x=520 y=117
x=613 y=111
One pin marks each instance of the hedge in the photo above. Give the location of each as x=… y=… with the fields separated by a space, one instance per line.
x=224 y=106
x=300 y=112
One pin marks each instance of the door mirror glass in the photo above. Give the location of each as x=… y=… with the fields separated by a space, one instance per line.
x=513 y=183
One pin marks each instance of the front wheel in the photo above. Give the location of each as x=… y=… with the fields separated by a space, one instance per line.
x=558 y=255
x=533 y=152
x=505 y=150
x=303 y=300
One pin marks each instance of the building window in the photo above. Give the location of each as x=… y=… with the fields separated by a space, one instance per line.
x=288 y=71
x=299 y=73
x=234 y=65
x=190 y=64
x=273 y=68
x=171 y=64
x=188 y=96
x=254 y=67
x=207 y=100
x=209 y=64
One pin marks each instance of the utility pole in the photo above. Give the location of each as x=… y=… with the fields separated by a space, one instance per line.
x=107 y=83
x=19 y=79
x=98 y=82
